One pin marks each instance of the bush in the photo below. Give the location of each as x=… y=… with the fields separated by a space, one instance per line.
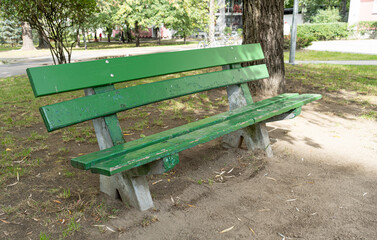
x=368 y=27
x=301 y=41
x=323 y=31
x=330 y=15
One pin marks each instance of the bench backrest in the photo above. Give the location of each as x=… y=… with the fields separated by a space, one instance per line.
x=102 y=74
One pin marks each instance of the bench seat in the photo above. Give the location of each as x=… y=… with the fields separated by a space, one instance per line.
x=145 y=150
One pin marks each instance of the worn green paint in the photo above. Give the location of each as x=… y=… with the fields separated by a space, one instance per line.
x=67 y=77
x=174 y=145
x=244 y=86
x=170 y=161
x=111 y=121
x=246 y=93
x=74 y=111
x=87 y=161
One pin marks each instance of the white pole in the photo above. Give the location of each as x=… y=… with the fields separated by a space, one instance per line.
x=292 y=51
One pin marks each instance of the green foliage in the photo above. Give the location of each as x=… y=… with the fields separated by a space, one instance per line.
x=329 y=15
x=228 y=31
x=187 y=16
x=288 y=3
x=72 y=227
x=43 y=236
x=311 y=7
x=323 y=31
x=10 y=32
x=367 y=27
x=54 y=19
x=302 y=41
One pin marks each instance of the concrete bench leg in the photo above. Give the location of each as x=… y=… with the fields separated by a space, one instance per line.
x=255 y=136
x=131 y=190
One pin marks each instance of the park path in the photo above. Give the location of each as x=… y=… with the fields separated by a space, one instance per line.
x=16 y=62
x=347 y=46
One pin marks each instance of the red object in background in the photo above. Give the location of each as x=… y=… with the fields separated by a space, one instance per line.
x=237 y=8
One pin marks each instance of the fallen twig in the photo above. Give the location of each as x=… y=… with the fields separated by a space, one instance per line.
x=227 y=230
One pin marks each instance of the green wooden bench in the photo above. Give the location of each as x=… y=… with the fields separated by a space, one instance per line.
x=123 y=166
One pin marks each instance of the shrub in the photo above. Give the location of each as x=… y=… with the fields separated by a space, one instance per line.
x=323 y=31
x=301 y=41
x=330 y=15
x=367 y=27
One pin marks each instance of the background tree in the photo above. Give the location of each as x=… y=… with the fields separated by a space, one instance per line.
x=10 y=32
x=27 y=37
x=187 y=16
x=104 y=16
x=329 y=15
x=137 y=13
x=55 y=20
x=263 y=23
x=311 y=7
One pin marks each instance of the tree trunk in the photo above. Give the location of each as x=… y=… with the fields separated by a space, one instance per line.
x=78 y=38
x=344 y=10
x=263 y=23
x=27 y=37
x=184 y=38
x=84 y=38
x=159 y=36
x=137 y=34
x=43 y=41
x=108 y=37
x=122 y=37
x=129 y=34
x=95 y=36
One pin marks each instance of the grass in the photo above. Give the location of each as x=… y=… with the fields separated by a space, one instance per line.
x=116 y=44
x=359 y=79
x=309 y=55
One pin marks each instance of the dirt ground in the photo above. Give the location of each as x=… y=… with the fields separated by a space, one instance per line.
x=320 y=184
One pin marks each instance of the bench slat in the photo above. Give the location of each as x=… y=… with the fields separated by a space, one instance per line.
x=78 y=110
x=67 y=77
x=175 y=145
x=86 y=161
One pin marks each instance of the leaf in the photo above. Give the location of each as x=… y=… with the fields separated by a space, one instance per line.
x=3 y=221
x=227 y=230
x=8 y=149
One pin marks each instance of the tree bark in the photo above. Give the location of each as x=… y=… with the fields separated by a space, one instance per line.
x=158 y=36
x=344 y=10
x=263 y=23
x=78 y=38
x=95 y=36
x=84 y=38
x=129 y=34
x=137 y=34
x=27 y=37
x=43 y=41
x=109 y=31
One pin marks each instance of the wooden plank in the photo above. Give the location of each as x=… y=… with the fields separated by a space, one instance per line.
x=177 y=144
x=78 y=110
x=86 y=161
x=67 y=77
